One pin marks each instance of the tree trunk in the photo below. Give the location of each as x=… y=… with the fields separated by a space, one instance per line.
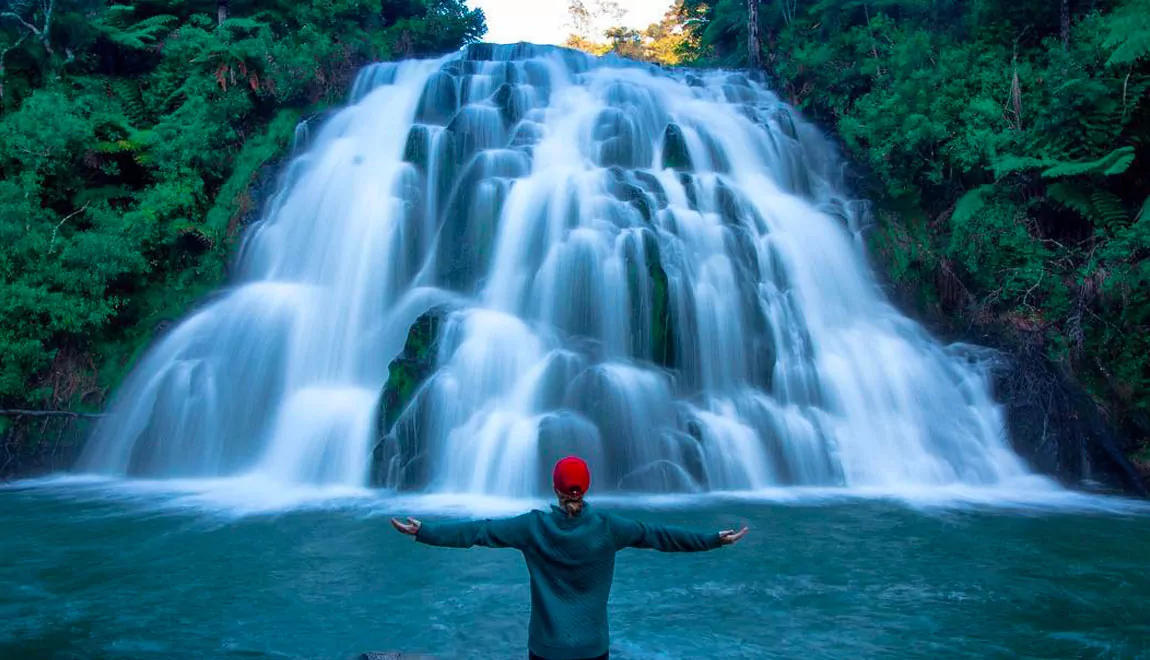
x=222 y=10
x=1065 y=25
x=754 y=41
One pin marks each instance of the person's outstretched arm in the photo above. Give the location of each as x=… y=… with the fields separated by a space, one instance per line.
x=504 y=533
x=632 y=534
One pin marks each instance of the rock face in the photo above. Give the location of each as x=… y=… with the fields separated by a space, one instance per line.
x=1057 y=428
x=396 y=459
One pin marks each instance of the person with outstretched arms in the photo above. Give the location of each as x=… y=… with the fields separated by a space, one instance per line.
x=570 y=554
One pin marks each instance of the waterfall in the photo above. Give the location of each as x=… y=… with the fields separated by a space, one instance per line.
x=656 y=270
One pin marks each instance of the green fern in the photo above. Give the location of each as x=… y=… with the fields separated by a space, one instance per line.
x=1115 y=162
x=1129 y=33
x=1011 y=164
x=1101 y=208
x=1108 y=209
x=970 y=204
x=1071 y=196
x=128 y=91
x=242 y=24
x=115 y=27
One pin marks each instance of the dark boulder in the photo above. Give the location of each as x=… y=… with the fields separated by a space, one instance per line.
x=676 y=155
x=1056 y=426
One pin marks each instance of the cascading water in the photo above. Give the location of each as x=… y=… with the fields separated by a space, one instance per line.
x=655 y=270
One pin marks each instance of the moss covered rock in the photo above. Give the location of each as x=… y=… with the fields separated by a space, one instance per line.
x=651 y=309
x=662 y=319
x=397 y=459
x=412 y=367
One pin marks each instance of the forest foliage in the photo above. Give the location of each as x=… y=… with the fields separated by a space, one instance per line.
x=1004 y=143
x=130 y=135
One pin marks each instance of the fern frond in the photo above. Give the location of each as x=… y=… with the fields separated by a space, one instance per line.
x=1129 y=33
x=1108 y=209
x=115 y=27
x=128 y=91
x=1099 y=207
x=1115 y=162
x=1011 y=164
x=1072 y=197
x=244 y=24
x=970 y=203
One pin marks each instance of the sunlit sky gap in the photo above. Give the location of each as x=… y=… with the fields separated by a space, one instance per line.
x=545 y=21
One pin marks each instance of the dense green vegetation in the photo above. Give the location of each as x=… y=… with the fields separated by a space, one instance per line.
x=130 y=135
x=1005 y=145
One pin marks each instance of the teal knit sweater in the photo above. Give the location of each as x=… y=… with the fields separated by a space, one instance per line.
x=571 y=561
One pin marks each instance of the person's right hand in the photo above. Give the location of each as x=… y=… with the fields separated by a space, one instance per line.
x=730 y=536
x=411 y=527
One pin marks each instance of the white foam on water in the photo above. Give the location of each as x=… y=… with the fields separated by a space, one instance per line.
x=255 y=495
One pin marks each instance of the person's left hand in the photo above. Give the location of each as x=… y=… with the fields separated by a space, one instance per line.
x=411 y=527
x=730 y=536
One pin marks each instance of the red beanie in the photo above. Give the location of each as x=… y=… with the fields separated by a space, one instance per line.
x=571 y=476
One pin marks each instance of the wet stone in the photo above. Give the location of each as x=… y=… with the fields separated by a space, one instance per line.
x=785 y=121
x=691 y=187
x=619 y=142
x=476 y=128
x=676 y=156
x=440 y=100
x=412 y=367
x=625 y=191
x=729 y=204
x=738 y=80
x=418 y=147
x=653 y=186
x=513 y=102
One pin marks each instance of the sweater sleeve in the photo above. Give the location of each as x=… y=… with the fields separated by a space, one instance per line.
x=632 y=534
x=504 y=533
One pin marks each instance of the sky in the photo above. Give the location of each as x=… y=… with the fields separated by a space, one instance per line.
x=545 y=21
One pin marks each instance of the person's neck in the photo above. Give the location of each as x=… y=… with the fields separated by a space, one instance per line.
x=572 y=508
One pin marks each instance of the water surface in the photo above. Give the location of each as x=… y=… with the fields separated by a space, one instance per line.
x=92 y=571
